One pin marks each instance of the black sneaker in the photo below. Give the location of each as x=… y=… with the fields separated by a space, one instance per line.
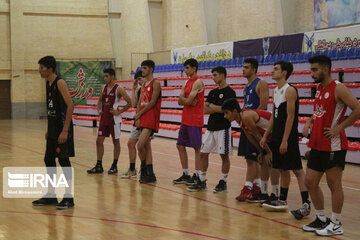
x=47 y=200
x=302 y=212
x=270 y=199
x=96 y=169
x=221 y=187
x=317 y=224
x=67 y=202
x=182 y=180
x=198 y=186
x=193 y=180
x=258 y=198
x=143 y=174
x=113 y=169
x=148 y=178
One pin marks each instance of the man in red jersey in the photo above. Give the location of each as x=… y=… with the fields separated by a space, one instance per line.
x=192 y=121
x=328 y=145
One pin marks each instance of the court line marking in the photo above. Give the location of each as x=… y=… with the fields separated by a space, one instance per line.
x=116 y=221
x=198 y=198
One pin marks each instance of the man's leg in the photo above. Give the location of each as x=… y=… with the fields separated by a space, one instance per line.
x=334 y=181
x=147 y=174
x=203 y=166
x=113 y=169
x=100 y=153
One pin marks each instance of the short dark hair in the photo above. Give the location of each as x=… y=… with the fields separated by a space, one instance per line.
x=322 y=60
x=253 y=62
x=138 y=74
x=192 y=62
x=219 y=69
x=149 y=63
x=231 y=104
x=48 y=62
x=285 y=66
x=110 y=71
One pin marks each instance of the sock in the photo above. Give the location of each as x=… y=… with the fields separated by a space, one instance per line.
x=249 y=184
x=264 y=187
x=275 y=190
x=197 y=172
x=132 y=166
x=99 y=163
x=186 y=172
x=224 y=176
x=335 y=217
x=143 y=164
x=321 y=215
x=257 y=182
x=305 y=197
x=115 y=162
x=202 y=176
x=283 y=193
x=149 y=168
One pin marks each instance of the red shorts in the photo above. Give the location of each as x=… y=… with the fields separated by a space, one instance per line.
x=106 y=130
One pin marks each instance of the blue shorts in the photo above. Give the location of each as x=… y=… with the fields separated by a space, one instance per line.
x=246 y=148
x=190 y=136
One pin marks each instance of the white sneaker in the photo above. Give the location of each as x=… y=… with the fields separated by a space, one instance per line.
x=330 y=229
x=129 y=174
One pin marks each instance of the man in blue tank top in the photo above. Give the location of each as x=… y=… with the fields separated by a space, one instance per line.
x=256 y=95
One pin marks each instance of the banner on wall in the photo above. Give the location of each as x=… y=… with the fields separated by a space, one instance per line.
x=209 y=52
x=269 y=45
x=330 y=39
x=332 y=13
x=84 y=79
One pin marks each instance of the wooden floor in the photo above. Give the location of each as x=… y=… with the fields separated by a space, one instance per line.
x=107 y=207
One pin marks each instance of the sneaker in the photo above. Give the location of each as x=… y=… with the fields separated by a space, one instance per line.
x=96 y=169
x=317 y=224
x=129 y=174
x=270 y=199
x=47 y=200
x=113 y=169
x=193 y=180
x=277 y=206
x=143 y=173
x=148 y=178
x=255 y=190
x=67 y=202
x=244 y=194
x=198 y=186
x=258 y=198
x=184 y=179
x=221 y=187
x=330 y=229
x=302 y=212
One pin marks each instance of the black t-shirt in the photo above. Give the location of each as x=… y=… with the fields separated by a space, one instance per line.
x=217 y=97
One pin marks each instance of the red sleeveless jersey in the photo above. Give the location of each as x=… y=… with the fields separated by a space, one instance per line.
x=193 y=115
x=262 y=123
x=107 y=101
x=327 y=114
x=150 y=119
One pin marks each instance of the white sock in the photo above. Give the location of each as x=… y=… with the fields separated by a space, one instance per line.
x=275 y=190
x=249 y=184
x=321 y=215
x=186 y=172
x=202 y=176
x=257 y=182
x=264 y=187
x=335 y=217
x=224 y=176
x=197 y=172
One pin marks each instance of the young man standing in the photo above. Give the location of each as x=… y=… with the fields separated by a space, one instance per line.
x=192 y=121
x=148 y=119
x=60 y=135
x=328 y=145
x=110 y=120
x=284 y=144
x=217 y=138
x=256 y=95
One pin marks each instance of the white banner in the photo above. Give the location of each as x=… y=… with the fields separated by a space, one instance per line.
x=209 y=52
x=329 y=39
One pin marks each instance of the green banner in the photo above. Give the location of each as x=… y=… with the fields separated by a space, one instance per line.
x=84 y=79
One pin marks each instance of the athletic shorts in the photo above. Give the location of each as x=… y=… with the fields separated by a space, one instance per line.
x=217 y=141
x=135 y=133
x=65 y=150
x=246 y=148
x=291 y=160
x=189 y=136
x=107 y=130
x=321 y=161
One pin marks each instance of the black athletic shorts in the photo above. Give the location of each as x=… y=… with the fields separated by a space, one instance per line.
x=321 y=161
x=291 y=160
x=246 y=148
x=65 y=150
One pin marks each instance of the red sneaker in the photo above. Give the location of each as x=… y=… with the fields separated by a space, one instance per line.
x=244 y=194
x=255 y=190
